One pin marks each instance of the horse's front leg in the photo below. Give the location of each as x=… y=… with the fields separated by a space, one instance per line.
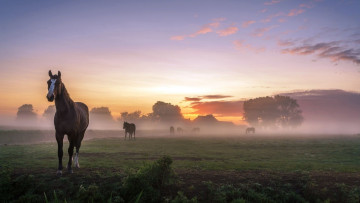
x=125 y=135
x=71 y=152
x=59 y=139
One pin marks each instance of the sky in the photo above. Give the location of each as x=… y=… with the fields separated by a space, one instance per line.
x=205 y=56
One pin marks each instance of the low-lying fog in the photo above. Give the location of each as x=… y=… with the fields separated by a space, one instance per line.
x=220 y=128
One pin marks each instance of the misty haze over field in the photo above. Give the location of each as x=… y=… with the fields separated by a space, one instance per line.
x=324 y=112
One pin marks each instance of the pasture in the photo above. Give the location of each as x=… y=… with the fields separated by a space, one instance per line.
x=207 y=168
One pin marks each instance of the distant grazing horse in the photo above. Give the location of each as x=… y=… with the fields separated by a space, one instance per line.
x=249 y=130
x=71 y=118
x=179 y=130
x=172 y=130
x=129 y=128
x=196 y=130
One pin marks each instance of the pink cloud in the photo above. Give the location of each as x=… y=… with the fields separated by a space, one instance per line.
x=207 y=28
x=272 y=2
x=227 y=31
x=247 y=23
x=270 y=17
x=202 y=31
x=263 y=11
x=216 y=22
x=261 y=31
x=285 y=43
x=215 y=96
x=295 y=12
x=207 y=97
x=331 y=50
x=178 y=37
x=331 y=106
x=192 y=99
x=241 y=46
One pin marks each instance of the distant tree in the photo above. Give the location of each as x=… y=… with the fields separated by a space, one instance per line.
x=49 y=112
x=261 y=111
x=166 y=112
x=290 y=114
x=130 y=117
x=273 y=111
x=101 y=113
x=26 y=112
x=206 y=120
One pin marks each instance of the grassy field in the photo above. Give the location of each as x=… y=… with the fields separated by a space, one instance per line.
x=325 y=164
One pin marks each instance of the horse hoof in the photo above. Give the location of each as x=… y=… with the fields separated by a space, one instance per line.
x=59 y=173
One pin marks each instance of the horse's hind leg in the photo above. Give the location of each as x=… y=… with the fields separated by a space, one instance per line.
x=76 y=159
x=71 y=152
x=78 y=145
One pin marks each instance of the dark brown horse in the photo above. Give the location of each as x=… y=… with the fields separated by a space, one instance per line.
x=71 y=118
x=249 y=130
x=172 y=130
x=129 y=128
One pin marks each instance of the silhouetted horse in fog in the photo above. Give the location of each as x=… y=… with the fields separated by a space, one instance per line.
x=179 y=130
x=249 y=130
x=129 y=128
x=172 y=130
x=71 y=118
x=196 y=130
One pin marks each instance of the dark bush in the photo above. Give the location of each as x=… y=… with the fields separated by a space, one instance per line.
x=181 y=198
x=90 y=194
x=150 y=181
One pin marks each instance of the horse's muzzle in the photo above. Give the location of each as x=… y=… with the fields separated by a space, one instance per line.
x=51 y=98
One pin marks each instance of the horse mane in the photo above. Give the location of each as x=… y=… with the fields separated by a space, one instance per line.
x=64 y=95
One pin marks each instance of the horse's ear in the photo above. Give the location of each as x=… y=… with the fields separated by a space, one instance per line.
x=59 y=74
x=50 y=73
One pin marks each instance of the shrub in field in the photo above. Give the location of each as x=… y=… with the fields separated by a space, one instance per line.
x=181 y=198
x=348 y=194
x=149 y=181
x=89 y=194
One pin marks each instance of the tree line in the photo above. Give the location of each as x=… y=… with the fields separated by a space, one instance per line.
x=265 y=112
x=277 y=111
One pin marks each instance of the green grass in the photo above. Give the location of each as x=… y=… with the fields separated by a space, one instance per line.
x=261 y=169
x=339 y=154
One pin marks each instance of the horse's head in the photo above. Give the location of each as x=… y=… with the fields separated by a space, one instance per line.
x=54 y=86
x=125 y=124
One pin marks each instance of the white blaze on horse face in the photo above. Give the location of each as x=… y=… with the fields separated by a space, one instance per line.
x=51 y=88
